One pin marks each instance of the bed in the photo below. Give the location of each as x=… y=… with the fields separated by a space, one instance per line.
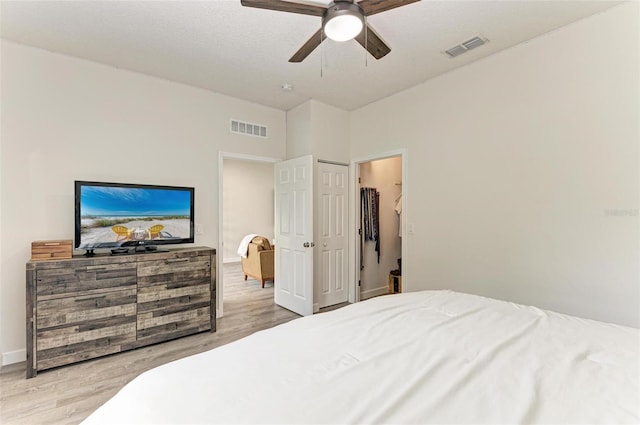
x=425 y=357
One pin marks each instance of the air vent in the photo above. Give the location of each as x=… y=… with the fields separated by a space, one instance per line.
x=456 y=51
x=465 y=46
x=473 y=43
x=249 y=129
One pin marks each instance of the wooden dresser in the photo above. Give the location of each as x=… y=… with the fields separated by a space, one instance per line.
x=87 y=307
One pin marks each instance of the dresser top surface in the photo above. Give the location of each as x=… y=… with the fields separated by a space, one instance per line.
x=108 y=258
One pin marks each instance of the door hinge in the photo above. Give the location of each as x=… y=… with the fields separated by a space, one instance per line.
x=359 y=283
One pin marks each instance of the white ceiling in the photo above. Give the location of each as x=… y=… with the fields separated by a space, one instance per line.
x=243 y=52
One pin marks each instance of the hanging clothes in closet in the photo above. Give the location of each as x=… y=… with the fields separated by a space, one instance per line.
x=398 y=210
x=369 y=220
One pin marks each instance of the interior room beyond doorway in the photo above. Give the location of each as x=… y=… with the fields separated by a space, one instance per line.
x=247 y=196
x=380 y=241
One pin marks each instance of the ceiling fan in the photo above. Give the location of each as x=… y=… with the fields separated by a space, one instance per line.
x=341 y=20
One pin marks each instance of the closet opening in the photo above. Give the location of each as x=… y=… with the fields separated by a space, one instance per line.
x=379 y=226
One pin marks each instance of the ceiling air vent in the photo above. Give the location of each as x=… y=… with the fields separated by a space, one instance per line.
x=249 y=129
x=455 y=51
x=465 y=46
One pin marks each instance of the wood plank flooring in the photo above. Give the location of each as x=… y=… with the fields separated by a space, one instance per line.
x=67 y=395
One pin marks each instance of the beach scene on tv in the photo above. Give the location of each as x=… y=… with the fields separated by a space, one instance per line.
x=117 y=215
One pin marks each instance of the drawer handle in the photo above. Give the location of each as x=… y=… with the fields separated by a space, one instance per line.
x=176 y=260
x=52 y=244
x=97 y=300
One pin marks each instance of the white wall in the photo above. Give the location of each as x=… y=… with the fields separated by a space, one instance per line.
x=329 y=132
x=384 y=175
x=65 y=119
x=248 y=203
x=299 y=141
x=314 y=128
x=523 y=171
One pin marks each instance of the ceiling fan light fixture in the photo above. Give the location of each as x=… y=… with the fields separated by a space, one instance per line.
x=343 y=21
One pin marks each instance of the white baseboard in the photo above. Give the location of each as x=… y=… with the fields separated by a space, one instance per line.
x=370 y=293
x=12 y=357
x=231 y=260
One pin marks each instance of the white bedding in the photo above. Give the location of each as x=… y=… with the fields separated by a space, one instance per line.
x=426 y=357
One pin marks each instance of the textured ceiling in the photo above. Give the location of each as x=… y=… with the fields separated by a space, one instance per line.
x=243 y=52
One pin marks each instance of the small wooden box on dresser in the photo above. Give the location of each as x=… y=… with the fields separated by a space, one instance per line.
x=87 y=307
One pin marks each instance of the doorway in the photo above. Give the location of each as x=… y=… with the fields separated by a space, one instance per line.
x=245 y=206
x=380 y=193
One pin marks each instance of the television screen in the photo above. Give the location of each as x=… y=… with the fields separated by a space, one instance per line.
x=119 y=215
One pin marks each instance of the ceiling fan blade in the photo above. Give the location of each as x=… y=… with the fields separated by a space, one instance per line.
x=371 y=7
x=285 y=6
x=308 y=47
x=371 y=41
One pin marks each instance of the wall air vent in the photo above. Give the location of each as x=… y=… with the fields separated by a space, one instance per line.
x=465 y=46
x=249 y=129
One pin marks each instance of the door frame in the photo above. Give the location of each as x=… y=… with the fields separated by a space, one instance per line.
x=220 y=251
x=354 y=214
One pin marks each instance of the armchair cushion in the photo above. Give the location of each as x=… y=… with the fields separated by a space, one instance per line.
x=262 y=243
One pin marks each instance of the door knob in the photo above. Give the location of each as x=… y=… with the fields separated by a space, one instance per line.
x=308 y=244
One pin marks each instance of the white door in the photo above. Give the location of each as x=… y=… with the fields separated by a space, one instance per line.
x=331 y=252
x=294 y=235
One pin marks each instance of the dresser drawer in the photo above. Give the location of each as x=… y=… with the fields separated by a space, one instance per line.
x=84 y=309
x=174 y=269
x=78 y=280
x=78 y=328
x=174 y=297
x=156 y=326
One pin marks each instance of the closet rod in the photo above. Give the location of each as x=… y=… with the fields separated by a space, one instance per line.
x=324 y=161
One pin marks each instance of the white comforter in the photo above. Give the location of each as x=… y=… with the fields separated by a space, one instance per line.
x=427 y=357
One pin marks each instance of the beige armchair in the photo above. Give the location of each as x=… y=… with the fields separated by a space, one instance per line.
x=259 y=261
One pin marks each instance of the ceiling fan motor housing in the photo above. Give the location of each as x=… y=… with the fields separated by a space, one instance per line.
x=336 y=15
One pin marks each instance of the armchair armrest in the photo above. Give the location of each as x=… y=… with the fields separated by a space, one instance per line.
x=267 y=263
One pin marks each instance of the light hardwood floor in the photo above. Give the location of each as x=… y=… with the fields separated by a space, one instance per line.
x=67 y=395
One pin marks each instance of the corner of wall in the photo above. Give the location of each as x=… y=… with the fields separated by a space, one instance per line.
x=329 y=132
x=298 y=123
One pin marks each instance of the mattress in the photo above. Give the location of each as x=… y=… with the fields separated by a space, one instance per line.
x=426 y=357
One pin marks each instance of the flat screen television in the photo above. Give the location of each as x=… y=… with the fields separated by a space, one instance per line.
x=121 y=216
